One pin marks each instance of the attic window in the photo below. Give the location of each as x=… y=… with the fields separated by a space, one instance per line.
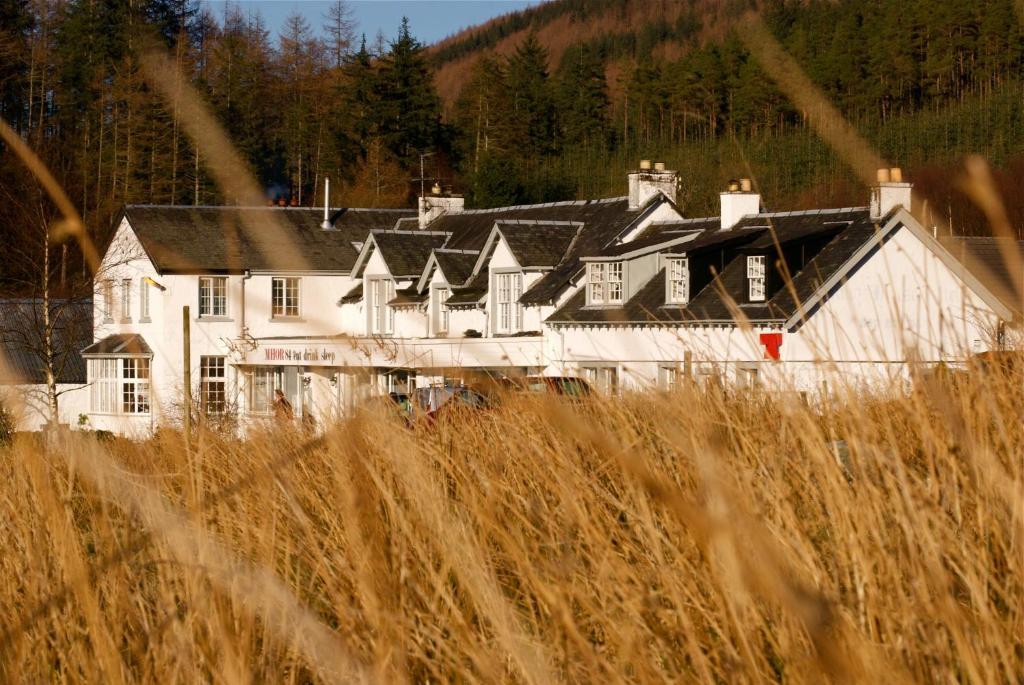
x=755 y=278
x=678 y=280
x=604 y=283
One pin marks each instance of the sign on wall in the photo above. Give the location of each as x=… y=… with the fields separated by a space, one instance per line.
x=308 y=355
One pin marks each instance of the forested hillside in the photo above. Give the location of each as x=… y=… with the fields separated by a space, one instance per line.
x=551 y=103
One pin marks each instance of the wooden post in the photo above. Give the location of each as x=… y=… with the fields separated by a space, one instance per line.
x=186 y=344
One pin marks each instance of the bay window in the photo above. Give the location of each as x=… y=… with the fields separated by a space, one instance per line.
x=284 y=297
x=678 y=270
x=604 y=283
x=120 y=386
x=213 y=296
x=508 y=288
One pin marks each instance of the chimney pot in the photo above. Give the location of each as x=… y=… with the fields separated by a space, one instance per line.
x=734 y=185
x=659 y=166
x=883 y=175
x=436 y=189
x=645 y=164
x=896 y=174
x=745 y=185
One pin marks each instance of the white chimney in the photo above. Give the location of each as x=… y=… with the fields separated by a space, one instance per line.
x=890 y=192
x=326 y=224
x=739 y=201
x=645 y=183
x=438 y=204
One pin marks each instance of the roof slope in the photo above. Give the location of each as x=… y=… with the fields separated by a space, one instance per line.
x=997 y=262
x=723 y=298
x=406 y=252
x=22 y=335
x=119 y=344
x=457 y=266
x=538 y=243
x=233 y=239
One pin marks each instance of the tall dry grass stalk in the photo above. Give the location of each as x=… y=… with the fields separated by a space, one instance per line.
x=694 y=535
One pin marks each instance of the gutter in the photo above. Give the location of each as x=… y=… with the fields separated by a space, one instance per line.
x=243 y=329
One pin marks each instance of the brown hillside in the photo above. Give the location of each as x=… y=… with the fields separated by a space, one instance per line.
x=559 y=32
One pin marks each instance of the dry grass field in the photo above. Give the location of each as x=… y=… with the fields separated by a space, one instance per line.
x=692 y=536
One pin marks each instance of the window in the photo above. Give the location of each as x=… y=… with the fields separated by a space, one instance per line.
x=284 y=296
x=755 y=278
x=678 y=280
x=143 y=300
x=213 y=296
x=126 y=299
x=669 y=376
x=128 y=378
x=135 y=386
x=263 y=381
x=602 y=378
x=213 y=384
x=747 y=377
x=508 y=290
x=382 y=317
x=604 y=283
x=103 y=393
x=441 y=296
x=108 y=301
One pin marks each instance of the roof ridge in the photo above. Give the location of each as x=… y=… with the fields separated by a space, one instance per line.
x=812 y=212
x=561 y=203
x=538 y=222
x=392 y=210
x=399 y=231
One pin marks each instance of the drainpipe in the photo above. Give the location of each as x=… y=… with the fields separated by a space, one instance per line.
x=246 y=275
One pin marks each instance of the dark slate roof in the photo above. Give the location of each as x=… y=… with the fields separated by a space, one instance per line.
x=232 y=239
x=353 y=295
x=456 y=265
x=785 y=227
x=408 y=296
x=119 y=344
x=722 y=299
x=406 y=252
x=470 y=294
x=993 y=261
x=603 y=221
x=658 y=234
x=22 y=335
x=538 y=244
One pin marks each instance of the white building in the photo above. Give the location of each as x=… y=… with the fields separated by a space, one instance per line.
x=626 y=291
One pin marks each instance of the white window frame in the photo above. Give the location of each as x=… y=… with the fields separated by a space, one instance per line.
x=213 y=384
x=260 y=384
x=126 y=300
x=120 y=385
x=285 y=297
x=748 y=376
x=508 y=288
x=135 y=384
x=606 y=283
x=108 y=300
x=143 y=300
x=213 y=297
x=380 y=291
x=756 y=276
x=669 y=375
x=104 y=390
x=603 y=377
x=442 y=318
x=677 y=275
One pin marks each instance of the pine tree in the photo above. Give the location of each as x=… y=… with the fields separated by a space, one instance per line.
x=583 y=98
x=531 y=119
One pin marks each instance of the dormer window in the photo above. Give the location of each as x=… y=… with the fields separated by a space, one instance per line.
x=604 y=283
x=756 y=278
x=678 y=271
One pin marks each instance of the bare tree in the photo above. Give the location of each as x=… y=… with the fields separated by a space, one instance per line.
x=340 y=29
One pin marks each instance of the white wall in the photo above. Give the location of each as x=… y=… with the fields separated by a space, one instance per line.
x=30 y=407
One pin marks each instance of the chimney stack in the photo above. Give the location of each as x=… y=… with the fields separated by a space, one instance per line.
x=739 y=201
x=437 y=204
x=646 y=183
x=890 y=192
